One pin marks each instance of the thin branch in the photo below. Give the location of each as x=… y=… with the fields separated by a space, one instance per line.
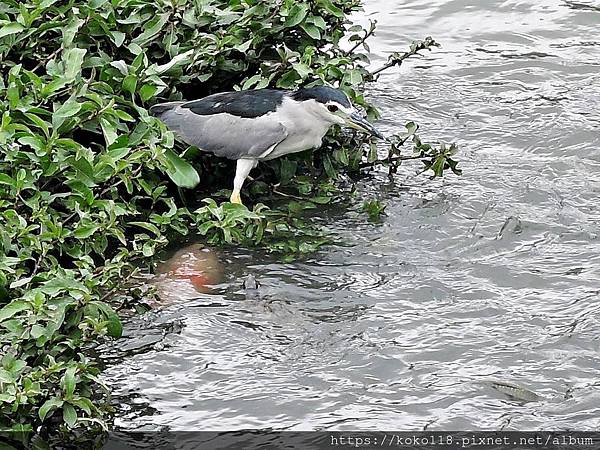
x=367 y=35
x=283 y=194
x=397 y=58
x=120 y=286
x=45 y=61
x=38 y=261
x=391 y=160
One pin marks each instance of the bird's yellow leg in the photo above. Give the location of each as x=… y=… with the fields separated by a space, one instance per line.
x=235 y=198
x=243 y=168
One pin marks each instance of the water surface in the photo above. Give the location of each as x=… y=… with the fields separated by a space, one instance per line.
x=491 y=276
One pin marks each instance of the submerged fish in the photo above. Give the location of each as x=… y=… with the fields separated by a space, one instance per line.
x=190 y=271
x=194 y=264
x=514 y=391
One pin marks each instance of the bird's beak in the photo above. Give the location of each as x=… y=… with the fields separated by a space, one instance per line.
x=358 y=122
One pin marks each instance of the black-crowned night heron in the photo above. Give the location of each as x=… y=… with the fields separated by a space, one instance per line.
x=262 y=124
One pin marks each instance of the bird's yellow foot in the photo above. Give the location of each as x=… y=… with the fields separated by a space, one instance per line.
x=235 y=198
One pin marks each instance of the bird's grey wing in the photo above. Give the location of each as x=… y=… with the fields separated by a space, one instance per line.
x=223 y=134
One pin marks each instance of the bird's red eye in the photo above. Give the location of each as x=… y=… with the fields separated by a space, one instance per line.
x=332 y=108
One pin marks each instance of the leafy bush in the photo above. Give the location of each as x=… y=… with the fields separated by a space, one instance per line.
x=89 y=181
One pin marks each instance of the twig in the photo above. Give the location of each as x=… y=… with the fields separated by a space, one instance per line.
x=134 y=174
x=38 y=261
x=582 y=6
x=391 y=160
x=44 y=61
x=36 y=267
x=283 y=194
x=397 y=58
x=121 y=285
x=57 y=174
x=367 y=35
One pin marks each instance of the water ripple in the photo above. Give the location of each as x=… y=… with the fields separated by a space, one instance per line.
x=490 y=276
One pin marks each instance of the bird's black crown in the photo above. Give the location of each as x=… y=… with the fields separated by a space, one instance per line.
x=322 y=94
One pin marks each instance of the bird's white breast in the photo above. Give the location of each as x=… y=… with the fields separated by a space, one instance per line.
x=305 y=129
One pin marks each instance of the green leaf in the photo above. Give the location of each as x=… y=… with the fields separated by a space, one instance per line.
x=411 y=128
x=117 y=37
x=148 y=226
x=73 y=58
x=84 y=404
x=252 y=81
x=85 y=171
x=288 y=170
x=33 y=141
x=68 y=382
x=452 y=164
x=49 y=405
x=342 y=156
x=297 y=15
x=37 y=331
x=328 y=165
x=45 y=126
x=151 y=28
x=331 y=8
x=147 y=91
x=124 y=115
x=148 y=249
x=5 y=179
x=113 y=326
x=302 y=69
x=320 y=22
x=438 y=166
x=66 y=110
x=180 y=171
x=109 y=129
x=53 y=86
x=6 y=376
x=321 y=200
x=311 y=30
x=54 y=286
x=11 y=28
x=121 y=66
x=70 y=31
x=15 y=307
x=353 y=77
x=372 y=157
x=179 y=60
x=85 y=231
x=130 y=83
x=69 y=415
